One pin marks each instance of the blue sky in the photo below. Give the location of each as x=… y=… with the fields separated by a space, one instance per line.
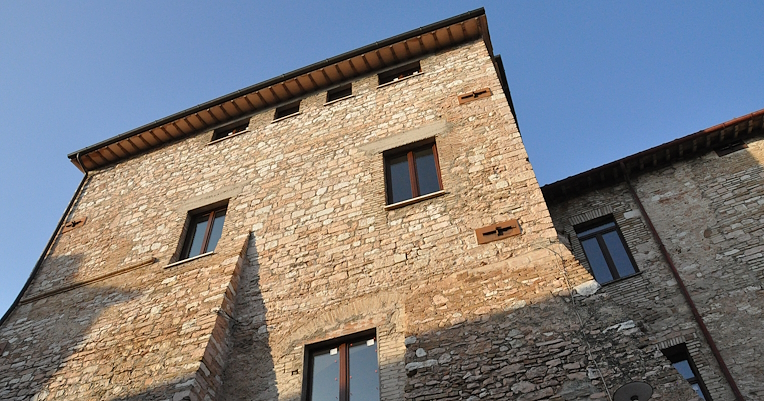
x=591 y=81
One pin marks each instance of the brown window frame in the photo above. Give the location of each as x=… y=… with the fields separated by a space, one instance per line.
x=342 y=345
x=409 y=151
x=195 y=218
x=595 y=224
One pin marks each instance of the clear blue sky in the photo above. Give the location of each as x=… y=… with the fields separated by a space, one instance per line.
x=591 y=81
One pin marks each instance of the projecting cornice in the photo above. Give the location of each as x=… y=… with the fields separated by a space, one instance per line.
x=686 y=147
x=279 y=90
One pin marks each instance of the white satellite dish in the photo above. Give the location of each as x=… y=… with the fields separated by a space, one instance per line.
x=634 y=391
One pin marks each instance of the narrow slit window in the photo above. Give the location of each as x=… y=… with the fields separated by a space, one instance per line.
x=339 y=93
x=606 y=251
x=287 y=110
x=229 y=130
x=412 y=172
x=399 y=73
x=475 y=95
x=204 y=232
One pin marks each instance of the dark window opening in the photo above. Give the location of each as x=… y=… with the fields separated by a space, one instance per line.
x=412 y=172
x=399 y=73
x=606 y=250
x=339 y=93
x=344 y=369
x=229 y=130
x=287 y=110
x=730 y=148
x=680 y=359
x=204 y=231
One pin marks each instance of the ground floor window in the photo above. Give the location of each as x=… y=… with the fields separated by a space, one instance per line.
x=680 y=359
x=344 y=369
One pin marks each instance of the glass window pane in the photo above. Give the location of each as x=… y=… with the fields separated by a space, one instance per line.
x=199 y=229
x=325 y=383
x=596 y=229
x=398 y=178
x=364 y=372
x=618 y=252
x=684 y=369
x=596 y=260
x=696 y=387
x=217 y=230
x=426 y=172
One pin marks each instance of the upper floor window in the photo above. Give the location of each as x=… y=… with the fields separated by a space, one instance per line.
x=344 y=369
x=287 y=110
x=606 y=251
x=411 y=172
x=203 y=233
x=680 y=359
x=399 y=73
x=340 y=92
x=231 y=129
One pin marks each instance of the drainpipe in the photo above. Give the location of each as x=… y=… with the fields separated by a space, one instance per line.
x=683 y=289
x=50 y=243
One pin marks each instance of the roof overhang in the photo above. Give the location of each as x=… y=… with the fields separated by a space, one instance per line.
x=315 y=77
x=660 y=156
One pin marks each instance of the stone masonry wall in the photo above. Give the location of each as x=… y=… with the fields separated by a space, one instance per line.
x=708 y=212
x=110 y=316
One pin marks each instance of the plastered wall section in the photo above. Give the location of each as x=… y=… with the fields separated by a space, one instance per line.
x=708 y=212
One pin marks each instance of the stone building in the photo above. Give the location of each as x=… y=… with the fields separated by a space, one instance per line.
x=370 y=228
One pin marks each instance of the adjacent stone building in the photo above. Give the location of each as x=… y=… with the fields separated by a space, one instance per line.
x=370 y=228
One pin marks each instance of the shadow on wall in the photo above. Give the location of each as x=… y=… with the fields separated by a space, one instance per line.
x=51 y=340
x=548 y=348
x=249 y=368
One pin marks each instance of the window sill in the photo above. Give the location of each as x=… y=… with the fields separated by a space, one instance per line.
x=180 y=262
x=338 y=100
x=286 y=117
x=399 y=80
x=620 y=279
x=415 y=200
x=228 y=136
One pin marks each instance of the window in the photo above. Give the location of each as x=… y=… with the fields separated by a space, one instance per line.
x=606 y=250
x=399 y=73
x=680 y=359
x=730 y=148
x=232 y=129
x=344 y=369
x=412 y=172
x=339 y=93
x=287 y=110
x=204 y=231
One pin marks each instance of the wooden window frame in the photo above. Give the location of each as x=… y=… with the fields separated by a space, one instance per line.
x=679 y=353
x=413 y=179
x=194 y=219
x=342 y=345
x=590 y=225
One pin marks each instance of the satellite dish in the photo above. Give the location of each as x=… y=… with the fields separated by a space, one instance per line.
x=634 y=391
